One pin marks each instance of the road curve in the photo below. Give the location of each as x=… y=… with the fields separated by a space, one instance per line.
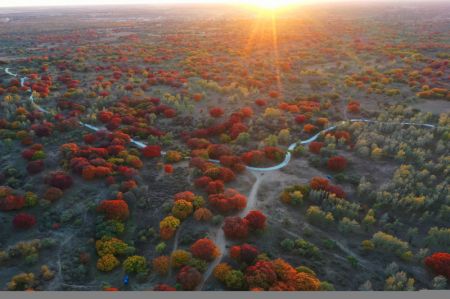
x=287 y=157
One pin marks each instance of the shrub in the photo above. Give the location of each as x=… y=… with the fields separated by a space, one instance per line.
x=107 y=263
x=305 y=282
x=221 y=270
x=203 y=214
x=24 y=221
x=315 y=147
x=109 y=228
x=52 y=194
x=389 y=243
x=164 y=288
x=216 y=112
x=261 y=275
x=318 y=183
x=353 y=106
x=245 y=253
x=205 y=249
x=22 y=281
x=337 y=163
x=135 y=264
x=256 y=220
x=182 y=209
x=189 y=278
x=168 y=226
x=439 y=263
x=179 y=258
x=60 y=180
x=300 y=119
x=316 y=216
x=161 y=265
x=235 y=228
x=229 y=201
x=111 y=245
x=35 y=167
x=115 y=209
x=151 y=151
x=235 y=280
x=12 y=202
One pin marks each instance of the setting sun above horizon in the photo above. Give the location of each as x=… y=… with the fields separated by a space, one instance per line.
x=269 y=4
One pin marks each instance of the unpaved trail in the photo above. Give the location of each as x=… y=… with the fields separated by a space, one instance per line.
x=220 y=240
x=58 y=277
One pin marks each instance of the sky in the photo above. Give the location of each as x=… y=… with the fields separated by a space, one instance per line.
x=24 y=3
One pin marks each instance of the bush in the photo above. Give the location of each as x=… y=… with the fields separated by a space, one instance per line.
x=261 y=275
x=164 y=288
x=107 y=263
x=216 y=112
x=189 y=278
x=53 y=194
x=24 y=221
x=161 y=265
x=235 y=228
x=135 y=264
x=389 y=243
x=60 y=180
x=203 y=214
x=306 y=282
x=439 y=263
x=315 y=147
x=205 y=249
x=179 y=258
x=115 y=209
x=235 y=280
x=35 y=167
x=221 y=270
x=256 y=220
x=245 y=253
x=318 y=183
x=227 y=202
x=337 y=163
x=110 y=245
x=182 y=209
x=22 y=281
x=168 y=226
x=151 y=151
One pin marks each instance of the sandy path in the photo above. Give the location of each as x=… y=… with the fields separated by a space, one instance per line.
x=220 y=239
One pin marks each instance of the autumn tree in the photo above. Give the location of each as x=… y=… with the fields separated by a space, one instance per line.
x=205 y=249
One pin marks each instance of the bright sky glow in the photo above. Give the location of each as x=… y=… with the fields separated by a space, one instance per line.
x=266 y=4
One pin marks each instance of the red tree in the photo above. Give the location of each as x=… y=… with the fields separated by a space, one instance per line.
x=116 y=209
x=151 y=151
x=336 y=190
x=235 y=227
x=261 y=275
x=12 y=202
x=439 y=262
x=300 y=119
x=164 y=288
x=205 y=249
x=24 y=221
x=216 y=186
x=189 y=278
x=256 y=220
x=315 y=146
x=245 y=253
x=60 y=180
x=337 y=163
x=216 y=112
x=35 y=166
x=318 y=182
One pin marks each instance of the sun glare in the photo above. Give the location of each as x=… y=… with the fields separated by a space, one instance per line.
x=270 y=5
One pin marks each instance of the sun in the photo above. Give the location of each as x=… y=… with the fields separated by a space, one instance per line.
x=270 y=5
